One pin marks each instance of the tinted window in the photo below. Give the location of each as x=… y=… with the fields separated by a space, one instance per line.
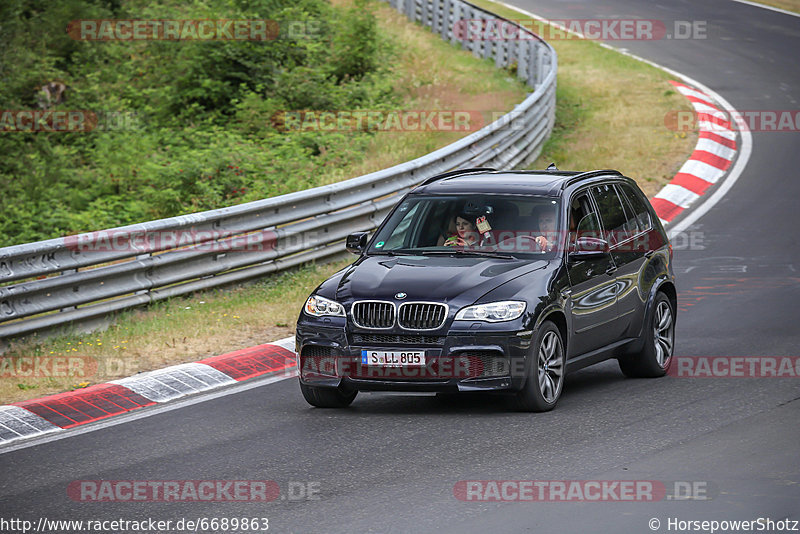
x=611 y=213
x=631 y=224
x=583 y=218
x=640 y=212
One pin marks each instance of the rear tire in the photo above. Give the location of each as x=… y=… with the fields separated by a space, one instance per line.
x=659 y=343
x=327 y=397
x=546 y=370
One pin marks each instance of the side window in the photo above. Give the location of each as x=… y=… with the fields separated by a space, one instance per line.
x=640 y=212
x=611 y=213
x=583 y=218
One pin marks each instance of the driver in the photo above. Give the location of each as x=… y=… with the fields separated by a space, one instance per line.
x=546 y=235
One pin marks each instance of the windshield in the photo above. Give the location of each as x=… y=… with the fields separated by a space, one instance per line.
x=511 y=226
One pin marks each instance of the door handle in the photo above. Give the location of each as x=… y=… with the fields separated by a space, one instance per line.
x=649 y=253
x=611 y=270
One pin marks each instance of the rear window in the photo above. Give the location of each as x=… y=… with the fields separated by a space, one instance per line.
x=639 y=212
x=612 y=213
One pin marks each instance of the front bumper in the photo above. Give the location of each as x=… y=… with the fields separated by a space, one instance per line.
x=466 y=360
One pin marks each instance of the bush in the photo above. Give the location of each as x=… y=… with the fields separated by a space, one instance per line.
x=196 y=132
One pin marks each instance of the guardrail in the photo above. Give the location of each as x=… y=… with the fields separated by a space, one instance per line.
x=70 y=280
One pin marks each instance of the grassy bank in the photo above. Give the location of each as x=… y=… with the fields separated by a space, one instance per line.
x=788 y=5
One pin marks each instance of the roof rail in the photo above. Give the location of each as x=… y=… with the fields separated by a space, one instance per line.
x=589 y=174
x=456 y=172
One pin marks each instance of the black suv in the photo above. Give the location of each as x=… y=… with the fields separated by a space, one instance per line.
x=497 y=281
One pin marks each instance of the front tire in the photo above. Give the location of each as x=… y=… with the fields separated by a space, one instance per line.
x=659 y=343
x=546 y=371
x=327 y=397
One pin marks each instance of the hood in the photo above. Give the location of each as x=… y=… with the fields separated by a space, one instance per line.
x=437 y=278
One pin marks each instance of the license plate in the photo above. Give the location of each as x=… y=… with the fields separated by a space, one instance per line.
x=393 y=358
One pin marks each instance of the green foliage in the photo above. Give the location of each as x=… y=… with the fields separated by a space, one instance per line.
x=355 y=48
x=183 y=126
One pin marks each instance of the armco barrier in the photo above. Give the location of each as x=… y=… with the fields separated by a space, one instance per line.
x=72 y=279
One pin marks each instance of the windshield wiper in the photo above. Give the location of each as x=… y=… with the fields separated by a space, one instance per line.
x=466 y=253
x=396 y=252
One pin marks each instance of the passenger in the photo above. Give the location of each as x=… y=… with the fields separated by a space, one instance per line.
x=547 y=237
x=466 y=233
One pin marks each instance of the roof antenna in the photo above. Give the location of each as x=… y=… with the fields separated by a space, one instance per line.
x=552 y=167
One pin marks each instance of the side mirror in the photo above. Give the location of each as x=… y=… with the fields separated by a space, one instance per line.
x=588 y=248
x=357 y=242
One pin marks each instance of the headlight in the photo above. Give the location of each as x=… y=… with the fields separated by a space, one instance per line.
x=317 y=306
x=492 y=312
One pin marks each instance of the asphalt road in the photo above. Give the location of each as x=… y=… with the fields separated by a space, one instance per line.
x=390 y=463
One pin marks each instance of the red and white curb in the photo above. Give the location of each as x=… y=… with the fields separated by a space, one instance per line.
x=710 y=161
x=31 y=418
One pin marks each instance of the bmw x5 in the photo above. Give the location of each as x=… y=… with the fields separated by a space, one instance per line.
x=495 y=281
